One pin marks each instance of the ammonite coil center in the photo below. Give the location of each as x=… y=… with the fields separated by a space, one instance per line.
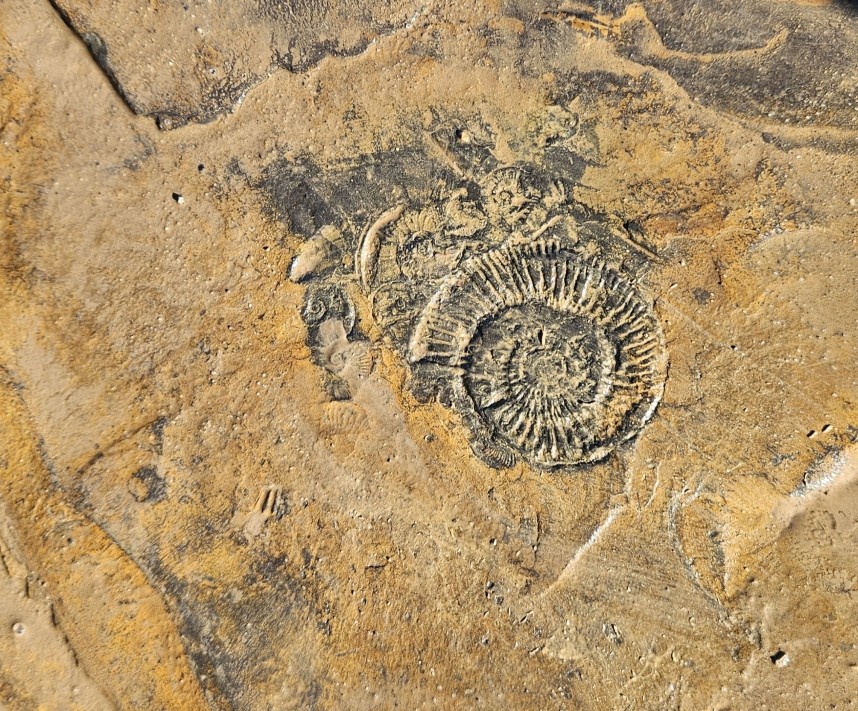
x=539 y=352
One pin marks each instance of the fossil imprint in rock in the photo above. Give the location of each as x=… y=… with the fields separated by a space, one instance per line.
x=508 y=302
x=560 y=357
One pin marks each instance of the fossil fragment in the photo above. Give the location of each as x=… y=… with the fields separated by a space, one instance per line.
x=317 y=253
x=368 y=251
x=343 y=418
x=560 y=357
x=327 y=301
x=330 y=317
x=510 y=196
x=345 y=358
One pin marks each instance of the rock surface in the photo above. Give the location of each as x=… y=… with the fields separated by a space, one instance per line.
x=451 y=355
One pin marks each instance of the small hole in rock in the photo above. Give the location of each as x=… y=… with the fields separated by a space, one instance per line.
x=780 y=658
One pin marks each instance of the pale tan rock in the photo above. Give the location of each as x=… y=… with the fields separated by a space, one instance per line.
x=232 y=486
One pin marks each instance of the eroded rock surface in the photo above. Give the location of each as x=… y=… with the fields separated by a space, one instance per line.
x=472 y=355
x=195 y=60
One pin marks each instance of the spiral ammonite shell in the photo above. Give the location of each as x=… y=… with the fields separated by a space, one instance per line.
x=559 y=358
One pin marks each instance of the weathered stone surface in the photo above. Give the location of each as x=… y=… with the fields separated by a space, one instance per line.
x=195 y=60
x=238 y=469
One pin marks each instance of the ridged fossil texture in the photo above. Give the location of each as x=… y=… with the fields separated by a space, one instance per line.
x=561 y=358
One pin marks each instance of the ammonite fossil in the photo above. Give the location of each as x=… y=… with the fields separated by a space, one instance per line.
x=495 y=286
x=559 y=358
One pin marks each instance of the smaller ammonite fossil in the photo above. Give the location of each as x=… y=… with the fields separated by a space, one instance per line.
x=558 y=358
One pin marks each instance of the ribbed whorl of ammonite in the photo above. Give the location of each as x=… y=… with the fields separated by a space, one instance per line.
x=561 y=358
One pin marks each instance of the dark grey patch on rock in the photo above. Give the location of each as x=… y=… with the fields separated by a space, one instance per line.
x=97 y=47
x=229 y=639
x=710 y=26
x=702 y=296
x=293 y=199
x=155 y=484
x=773 y=62
x=158 y=432
x=305 y=197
